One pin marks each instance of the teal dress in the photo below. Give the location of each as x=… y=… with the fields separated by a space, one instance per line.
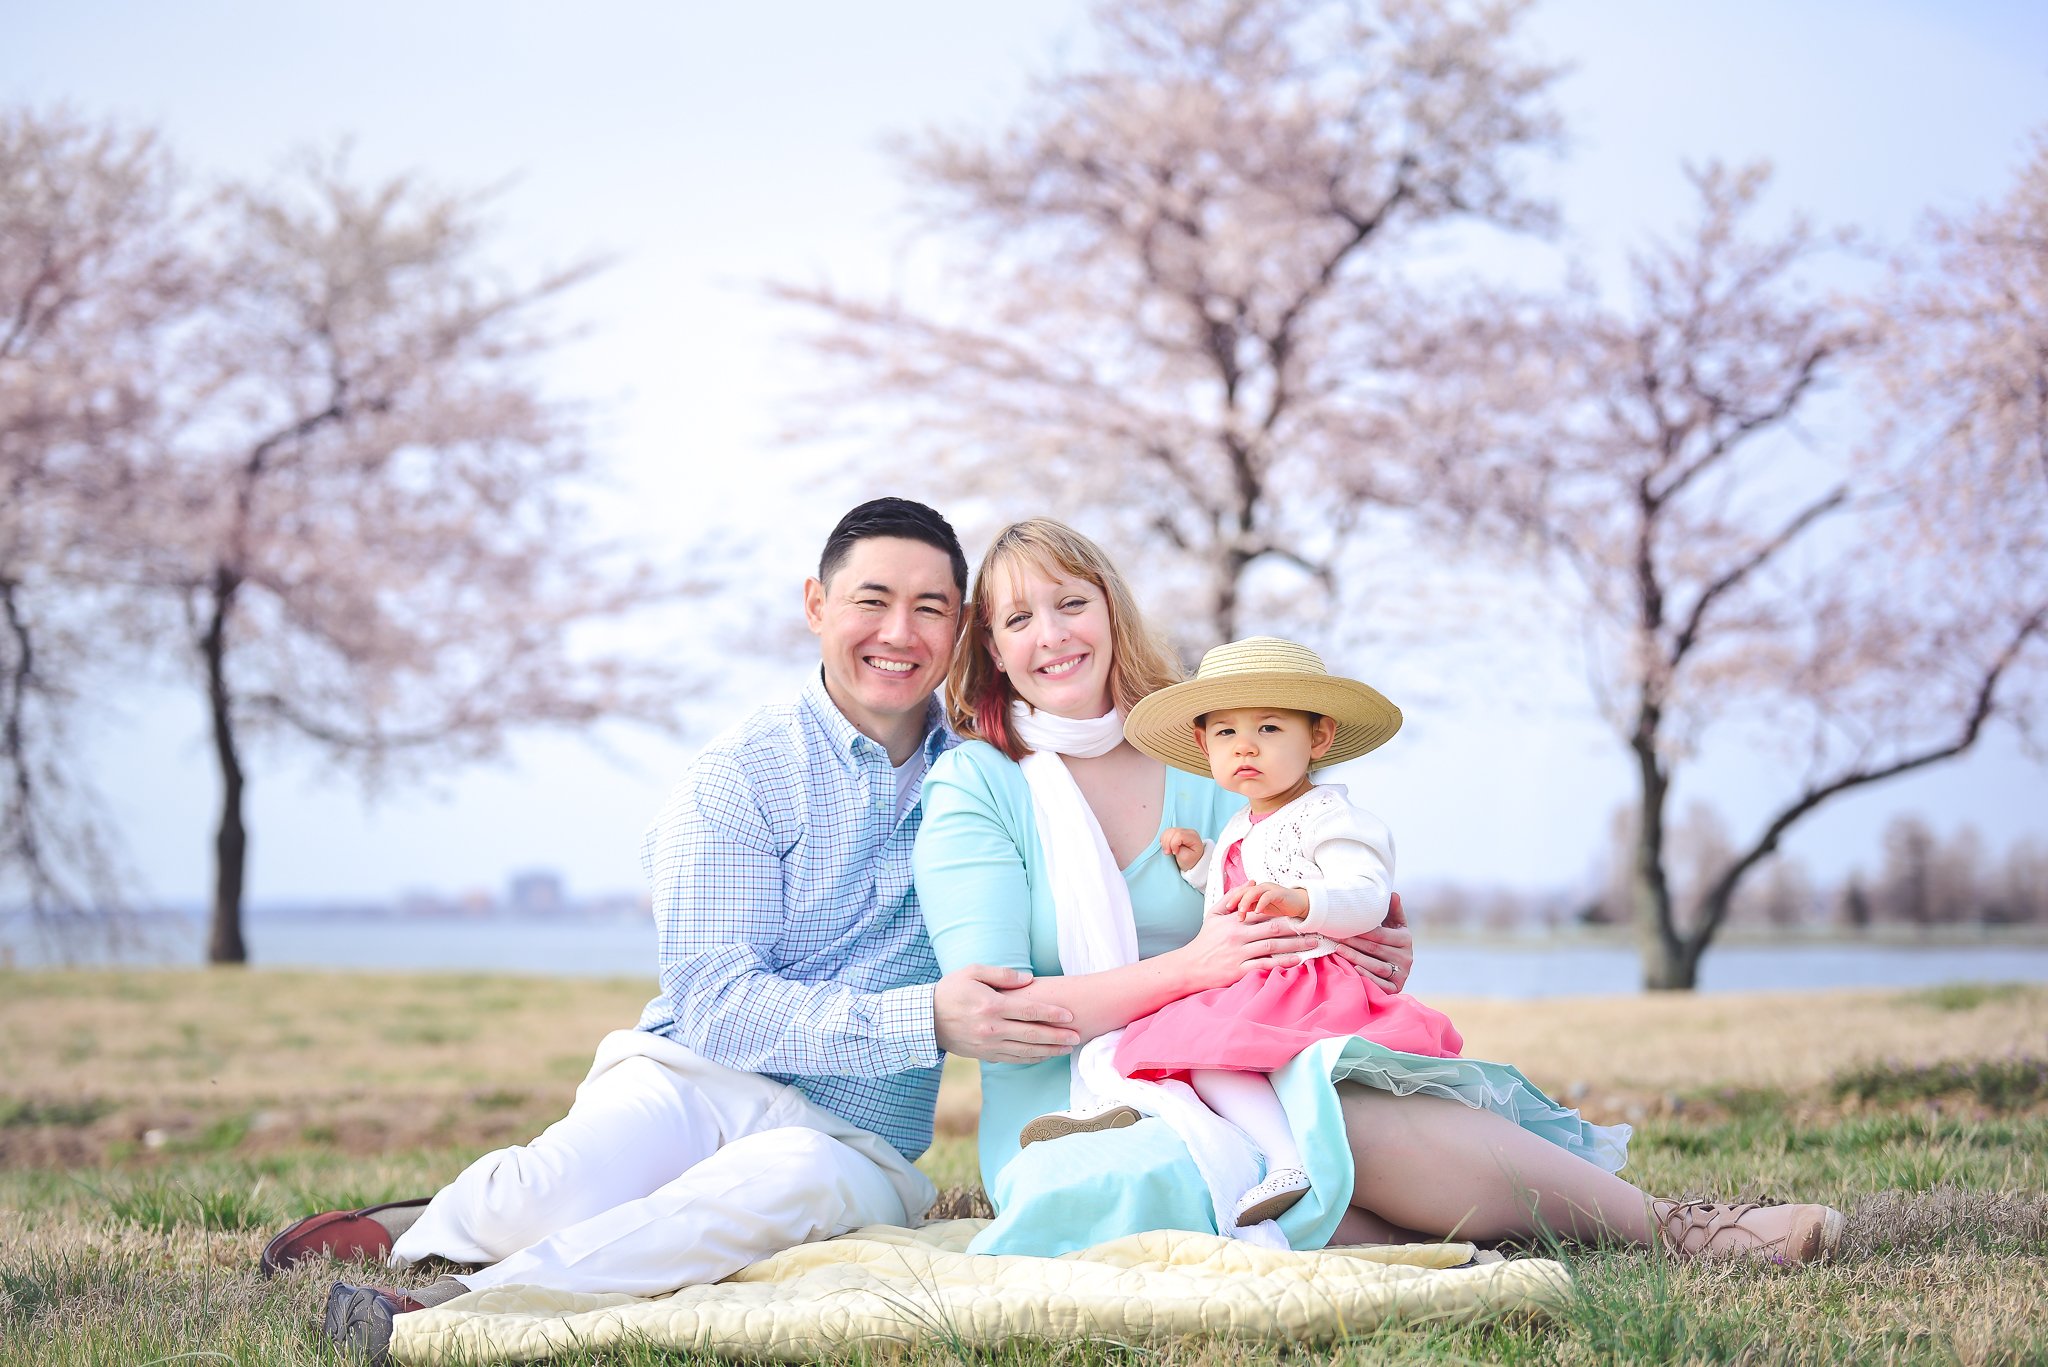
x=981 y=885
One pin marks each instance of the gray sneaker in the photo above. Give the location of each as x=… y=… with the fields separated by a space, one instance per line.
x=359 y=1320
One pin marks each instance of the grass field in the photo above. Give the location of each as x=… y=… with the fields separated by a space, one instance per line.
x=155 y=1126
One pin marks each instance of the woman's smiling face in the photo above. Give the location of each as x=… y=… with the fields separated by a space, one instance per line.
x=1051 y=635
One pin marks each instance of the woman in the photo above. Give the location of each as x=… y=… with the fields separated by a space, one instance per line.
x=1054 y=650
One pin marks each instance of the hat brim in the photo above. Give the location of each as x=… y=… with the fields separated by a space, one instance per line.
x=1163 y=724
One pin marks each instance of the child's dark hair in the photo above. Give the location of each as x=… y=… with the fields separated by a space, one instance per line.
x=900 y=517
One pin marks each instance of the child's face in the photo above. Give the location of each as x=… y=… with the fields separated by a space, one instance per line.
x=1263 y=752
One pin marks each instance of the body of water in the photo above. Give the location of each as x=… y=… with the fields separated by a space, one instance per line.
x=1460 y=968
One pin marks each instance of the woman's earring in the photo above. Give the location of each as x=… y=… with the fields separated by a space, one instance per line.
x=1002 y=668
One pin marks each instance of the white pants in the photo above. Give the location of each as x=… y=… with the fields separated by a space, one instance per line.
x=668 y=1171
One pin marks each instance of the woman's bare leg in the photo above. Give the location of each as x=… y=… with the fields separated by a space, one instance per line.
x=1437 y=1165
x=1363 y=1227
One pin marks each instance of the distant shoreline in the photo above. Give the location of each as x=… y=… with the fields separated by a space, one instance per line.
x=1575 y=962
x=1883 y=936
x=1874 y=937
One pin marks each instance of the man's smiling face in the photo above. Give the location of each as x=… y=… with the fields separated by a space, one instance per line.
x=886 y=622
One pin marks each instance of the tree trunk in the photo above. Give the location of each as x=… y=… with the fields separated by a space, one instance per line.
x=231 y=841
x=1223 y=602
x=1676 y=967
x=1669 y=963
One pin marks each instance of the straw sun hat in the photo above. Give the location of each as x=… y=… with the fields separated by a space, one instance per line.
x=1260 y=671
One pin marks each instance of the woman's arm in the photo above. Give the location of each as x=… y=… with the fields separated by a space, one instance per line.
x=1224 y=950
x=976 y=898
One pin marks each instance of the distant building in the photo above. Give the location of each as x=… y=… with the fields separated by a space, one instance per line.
x=537 y=893
x=423 y=902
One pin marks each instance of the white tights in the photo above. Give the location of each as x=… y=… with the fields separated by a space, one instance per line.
x=1247 y=1100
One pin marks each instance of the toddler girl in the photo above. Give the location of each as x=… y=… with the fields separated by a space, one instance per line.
x=1257 y=717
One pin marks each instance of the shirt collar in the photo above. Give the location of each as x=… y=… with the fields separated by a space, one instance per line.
x=849 y=741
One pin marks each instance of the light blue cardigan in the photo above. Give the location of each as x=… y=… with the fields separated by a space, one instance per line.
x=980 y=882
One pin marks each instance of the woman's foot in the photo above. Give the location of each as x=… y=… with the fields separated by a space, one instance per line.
x=1098 y=1115
x=1270 y=1198
x=1781 y=1234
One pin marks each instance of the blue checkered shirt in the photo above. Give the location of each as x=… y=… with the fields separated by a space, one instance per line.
x=790 y=941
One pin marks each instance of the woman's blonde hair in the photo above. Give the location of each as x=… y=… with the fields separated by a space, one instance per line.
x=979 y=695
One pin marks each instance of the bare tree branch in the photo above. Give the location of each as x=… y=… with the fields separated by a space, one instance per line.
x=1689 y=634
x=1720 y=896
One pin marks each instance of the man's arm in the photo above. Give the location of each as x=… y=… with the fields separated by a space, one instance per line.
x=716 y=873
x=977 y=1012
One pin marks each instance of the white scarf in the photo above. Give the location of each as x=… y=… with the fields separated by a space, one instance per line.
x=1092 y=909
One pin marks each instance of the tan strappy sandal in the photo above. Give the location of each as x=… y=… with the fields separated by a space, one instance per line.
x=1786 y=1235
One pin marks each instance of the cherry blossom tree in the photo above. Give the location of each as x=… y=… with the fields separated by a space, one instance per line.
x=1175 y=299
x=370 y=530
x=290 y=443
x=1963 y=376
x=1738 y=578
x=1971 y=359
x=94 y=279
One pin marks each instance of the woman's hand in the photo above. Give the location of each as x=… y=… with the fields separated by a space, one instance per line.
x=1388 y=952
x=1226 y=948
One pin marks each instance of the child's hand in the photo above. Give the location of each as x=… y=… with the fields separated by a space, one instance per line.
x=1265 y=902
x=1183 y=844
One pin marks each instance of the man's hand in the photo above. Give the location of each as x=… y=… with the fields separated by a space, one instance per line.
x=1264 y=902
x=1388 y=953
x=1183 y=844
x=974 y=1013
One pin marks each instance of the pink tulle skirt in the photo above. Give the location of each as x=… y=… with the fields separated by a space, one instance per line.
x=1261 y=1021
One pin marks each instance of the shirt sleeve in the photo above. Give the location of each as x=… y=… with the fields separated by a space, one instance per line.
x=1353 y=851
x=715 y=868
x=1197 y=873
x=971 y=880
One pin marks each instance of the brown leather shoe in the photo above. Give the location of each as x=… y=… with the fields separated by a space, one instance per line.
x=359 y=1320
x=1781 y=1234
x=332 y=1234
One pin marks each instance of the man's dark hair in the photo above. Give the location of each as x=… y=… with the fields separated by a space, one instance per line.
x=893 y=517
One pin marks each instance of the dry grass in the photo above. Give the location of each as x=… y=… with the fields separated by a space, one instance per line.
x=1656 y=1045
x=199 y=1060
x=273 y=1093
x=1635 y=1058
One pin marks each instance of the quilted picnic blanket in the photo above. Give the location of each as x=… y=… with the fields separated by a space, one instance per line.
x=899 y=1286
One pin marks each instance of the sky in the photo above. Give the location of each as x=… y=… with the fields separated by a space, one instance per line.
x=704 y=149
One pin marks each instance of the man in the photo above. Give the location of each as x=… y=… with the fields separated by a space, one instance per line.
x=778 y=1087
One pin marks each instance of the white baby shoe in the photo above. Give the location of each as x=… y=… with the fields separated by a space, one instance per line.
x=1097 y=1115
x=1281 y=1189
